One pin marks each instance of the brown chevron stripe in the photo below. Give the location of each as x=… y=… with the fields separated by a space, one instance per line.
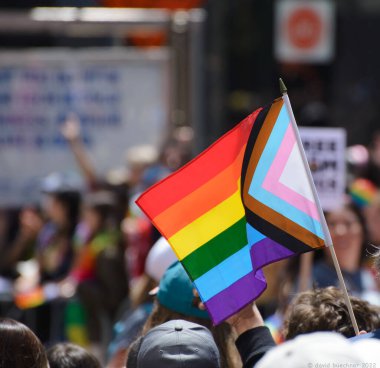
x=282 y=222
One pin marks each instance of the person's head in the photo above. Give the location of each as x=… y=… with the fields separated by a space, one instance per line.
x=61 y=203
x=20 y=347
x=66 y=355
x=99 y=210
x=322 y=349
x=138 y=158
x=372 y=216
x=348 y=233
x=325 y=310
x=176 y=300
x=176 y=343
x=63 y=208
x=175 y=294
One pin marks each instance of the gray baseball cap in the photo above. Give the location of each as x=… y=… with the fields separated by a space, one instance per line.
x=178 y=343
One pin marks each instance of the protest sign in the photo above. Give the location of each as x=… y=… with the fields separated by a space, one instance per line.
x=325 y=150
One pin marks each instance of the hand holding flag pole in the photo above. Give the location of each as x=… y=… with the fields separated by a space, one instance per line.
x=325 y=229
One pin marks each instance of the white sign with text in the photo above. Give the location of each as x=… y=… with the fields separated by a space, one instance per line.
x=325 y=150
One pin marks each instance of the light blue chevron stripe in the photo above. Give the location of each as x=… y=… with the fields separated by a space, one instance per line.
x=270 y=200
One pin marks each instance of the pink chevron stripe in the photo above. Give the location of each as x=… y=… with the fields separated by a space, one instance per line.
x=272 y=180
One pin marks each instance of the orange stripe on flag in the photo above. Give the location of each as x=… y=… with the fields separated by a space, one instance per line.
x=202 y=200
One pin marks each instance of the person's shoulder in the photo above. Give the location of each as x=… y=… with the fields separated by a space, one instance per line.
x=370 y=335
x=322 y=273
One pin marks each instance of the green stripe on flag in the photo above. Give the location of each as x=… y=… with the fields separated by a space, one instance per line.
x=216 y=250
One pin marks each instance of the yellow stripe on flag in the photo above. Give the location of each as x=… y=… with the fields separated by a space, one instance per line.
x=209 y=225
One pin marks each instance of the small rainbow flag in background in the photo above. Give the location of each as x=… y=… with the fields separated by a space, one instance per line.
x=243 y=203
x=30 y=299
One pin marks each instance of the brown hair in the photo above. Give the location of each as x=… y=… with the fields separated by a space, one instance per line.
x=140 y=292
x=67 y=355
x=20 y=347
x=325 y=310
x=222 y=333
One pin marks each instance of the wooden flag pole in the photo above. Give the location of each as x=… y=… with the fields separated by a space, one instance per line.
x=343 y=286
x=305 y=271
x=325 y=229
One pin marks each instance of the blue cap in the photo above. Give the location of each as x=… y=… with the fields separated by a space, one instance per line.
x=176 y=292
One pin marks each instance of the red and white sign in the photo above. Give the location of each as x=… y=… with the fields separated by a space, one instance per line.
x=304 y=31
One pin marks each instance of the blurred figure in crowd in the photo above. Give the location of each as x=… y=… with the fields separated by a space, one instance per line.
x=61 y=206
x=98 y=275
x=366 y=196
x=144 y=166
x=372 y=216
x=71 y=131
x=53 y=255
x=373 y=169
x=18 y=235
x=160 y=257
x=175 y=152
x=375 y=333
x=349 y=236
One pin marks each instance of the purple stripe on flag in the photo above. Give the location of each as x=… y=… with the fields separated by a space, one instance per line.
x=250 y=287
x=235 y=297
x=268 y=251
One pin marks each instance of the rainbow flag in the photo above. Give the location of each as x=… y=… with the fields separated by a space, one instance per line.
x=363 y=192
x=243 y=203
x=30 y=299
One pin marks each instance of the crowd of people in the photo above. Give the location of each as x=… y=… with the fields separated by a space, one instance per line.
x=87 y=281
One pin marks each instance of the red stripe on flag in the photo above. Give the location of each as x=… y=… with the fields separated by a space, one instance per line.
x=199 y=171
x=201 y=200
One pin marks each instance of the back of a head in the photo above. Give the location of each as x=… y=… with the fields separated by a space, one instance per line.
x=20 y=347
x=66 y=355
x=322 y=349
x=176 y=343
x=325 y=310
x=176 y=300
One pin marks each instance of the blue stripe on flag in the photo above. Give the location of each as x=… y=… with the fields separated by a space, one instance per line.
x=230 y=270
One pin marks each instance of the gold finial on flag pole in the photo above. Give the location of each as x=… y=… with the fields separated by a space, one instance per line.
x=283 y=88
x=326 y=231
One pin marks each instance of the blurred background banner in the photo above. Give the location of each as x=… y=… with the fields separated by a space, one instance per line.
x=121 y=98
x=325 y=149
x=168 y=4
x=304 y=31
